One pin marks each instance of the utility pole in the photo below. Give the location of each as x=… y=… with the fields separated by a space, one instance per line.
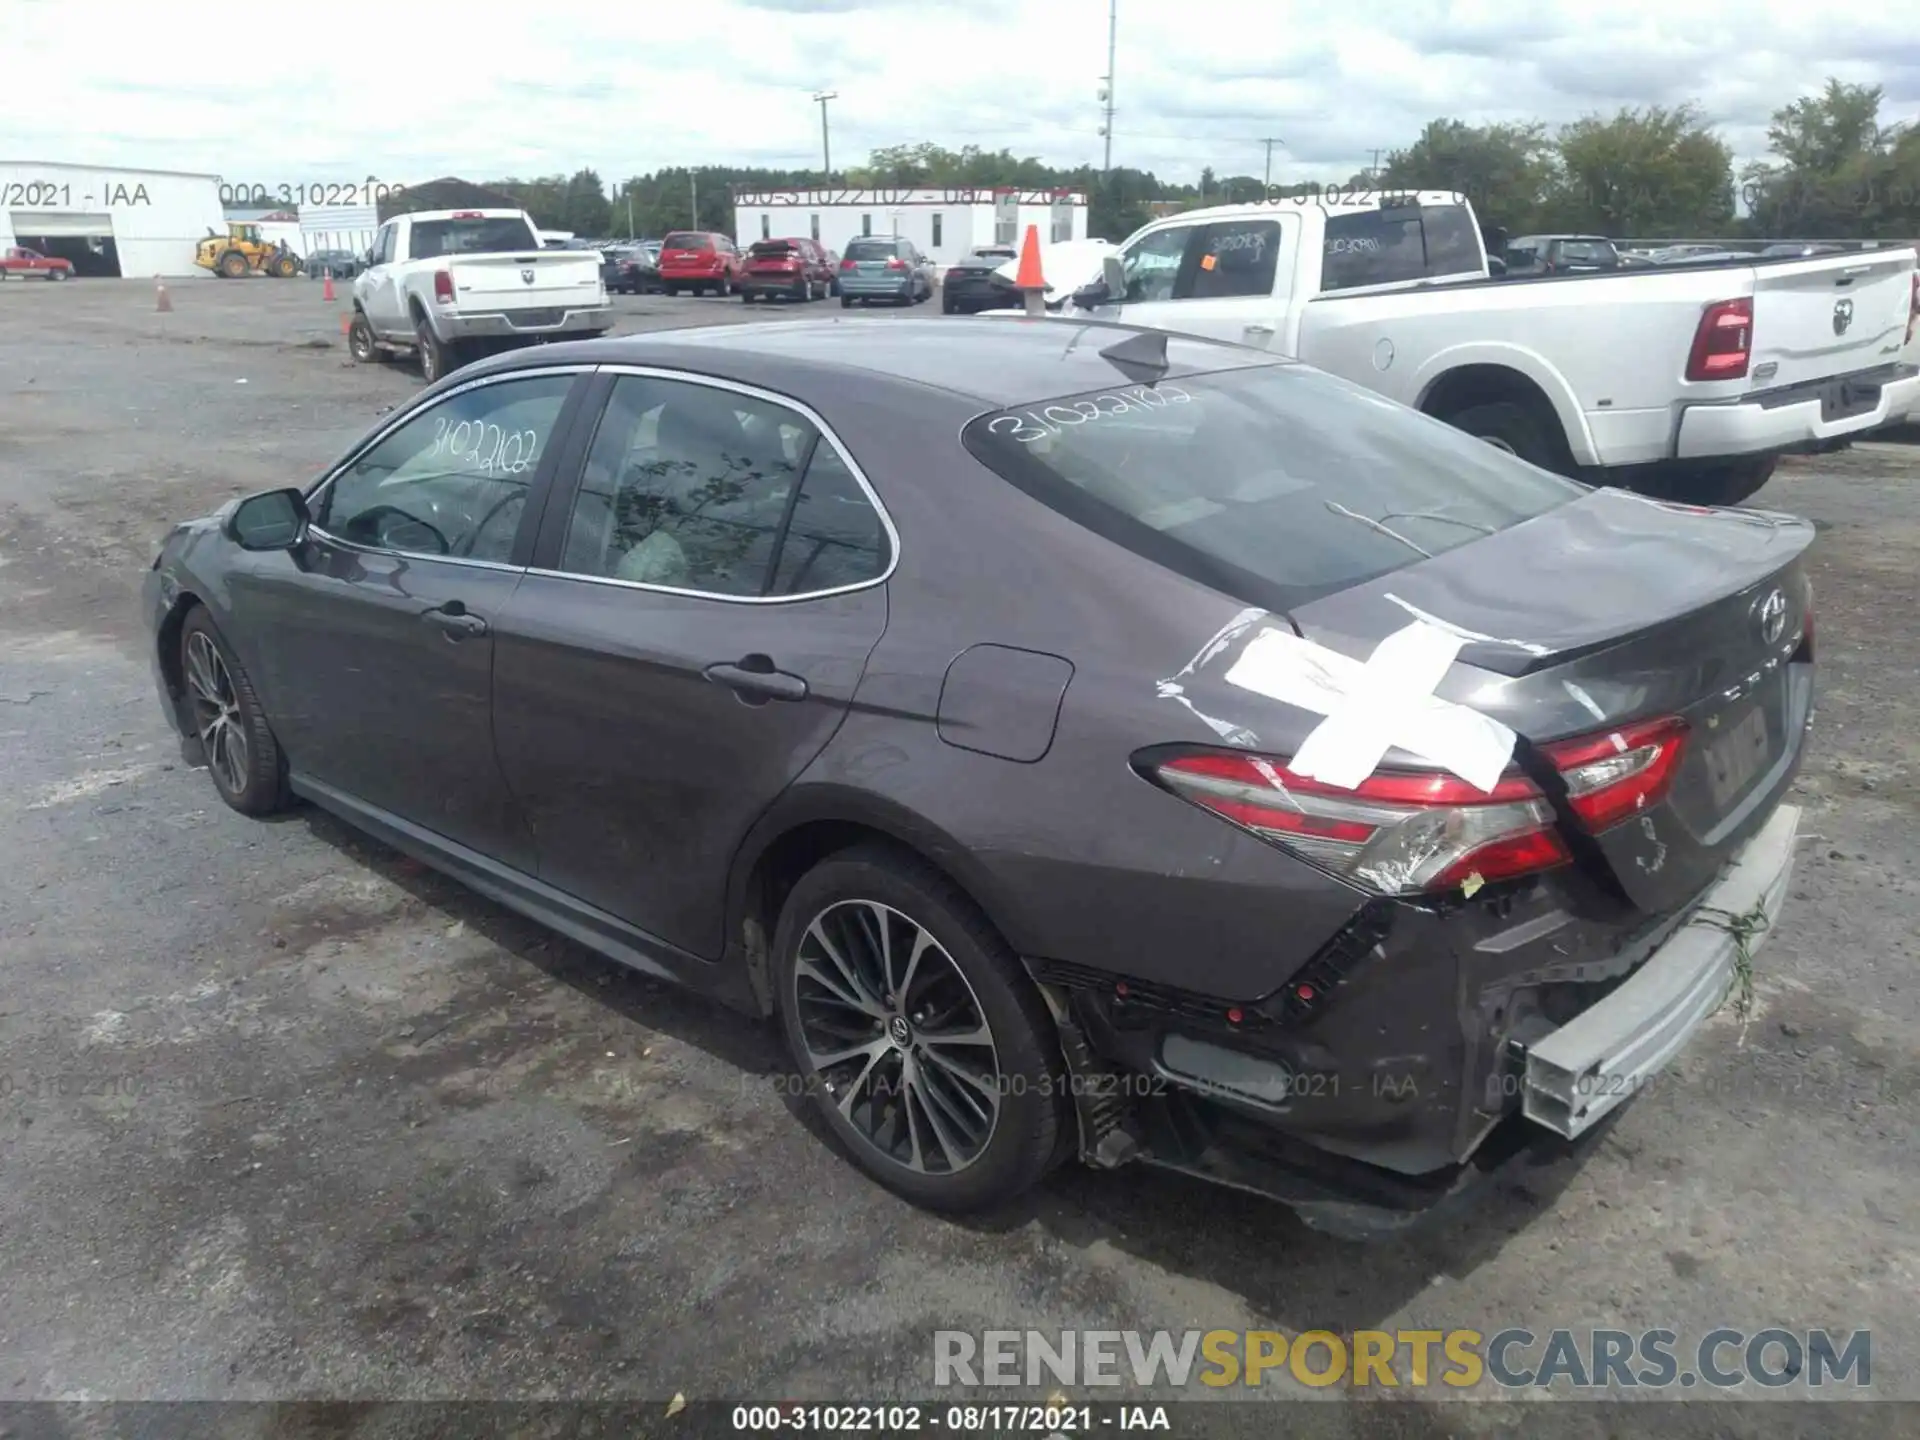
x=1106 y=83
x=1270 y=143
x=826 y=145
x=1376 y=162
x=630 y=210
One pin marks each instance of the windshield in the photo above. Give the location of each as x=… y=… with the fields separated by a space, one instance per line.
x=1378 y=247
x=470 y=237
x=1276 y=484
x=684 y=241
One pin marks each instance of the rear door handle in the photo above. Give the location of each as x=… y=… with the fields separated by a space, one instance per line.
x=454 y=618
x=754 y=679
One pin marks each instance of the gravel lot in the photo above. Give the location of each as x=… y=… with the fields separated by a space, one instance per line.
x=282 y=1115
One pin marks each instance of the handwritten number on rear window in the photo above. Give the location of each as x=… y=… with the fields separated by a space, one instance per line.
x=1031 y=426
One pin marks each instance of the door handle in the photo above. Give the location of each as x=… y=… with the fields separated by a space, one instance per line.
x=754 y=679
x=454 y=618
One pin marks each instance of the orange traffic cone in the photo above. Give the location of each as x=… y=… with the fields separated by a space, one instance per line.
x=1028 y=280
x=326 y=293
x=346 y=324
x=162 y=302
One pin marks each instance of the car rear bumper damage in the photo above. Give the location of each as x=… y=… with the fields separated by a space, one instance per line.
x=1358 y=1110
x=1800 y=416
x=550 y=320
x=1578 y=1073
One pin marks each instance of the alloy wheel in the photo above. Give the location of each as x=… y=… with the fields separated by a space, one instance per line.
x=216 y=713
x=896 y=1037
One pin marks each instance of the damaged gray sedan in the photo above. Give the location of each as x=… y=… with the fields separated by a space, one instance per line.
x=1082 y=742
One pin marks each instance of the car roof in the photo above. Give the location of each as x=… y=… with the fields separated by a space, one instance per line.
x=990 y=361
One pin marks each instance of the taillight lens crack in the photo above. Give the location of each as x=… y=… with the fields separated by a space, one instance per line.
x=1422 y=832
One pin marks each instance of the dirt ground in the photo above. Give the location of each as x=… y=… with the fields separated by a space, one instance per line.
x=282 y=1115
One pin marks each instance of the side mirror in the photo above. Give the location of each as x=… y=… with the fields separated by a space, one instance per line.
x=276 y=520
x=1114 y=276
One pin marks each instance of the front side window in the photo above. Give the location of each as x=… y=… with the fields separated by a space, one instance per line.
x=1274 y=483
x=1153 y=265
x=692 y=487
x=453 y=480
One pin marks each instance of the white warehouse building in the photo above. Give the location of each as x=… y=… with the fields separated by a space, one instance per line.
x=109 y=220
x=945 y=224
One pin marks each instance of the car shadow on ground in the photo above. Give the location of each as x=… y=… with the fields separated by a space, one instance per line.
x=1296 y=1277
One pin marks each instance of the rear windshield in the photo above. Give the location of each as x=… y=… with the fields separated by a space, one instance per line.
x=1376 y=247
x=1586 y=252
x=872 y=249
x=772 y=247
x=1275 y=484
x=686 y=241
x=503 y=234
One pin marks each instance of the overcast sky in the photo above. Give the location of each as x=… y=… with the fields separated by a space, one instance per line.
x=407 y=92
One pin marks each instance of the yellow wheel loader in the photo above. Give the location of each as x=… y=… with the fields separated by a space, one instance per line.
x=242 y=252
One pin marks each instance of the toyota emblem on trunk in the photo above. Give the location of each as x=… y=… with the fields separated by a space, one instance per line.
x=1842 y=316
x=1772 y=615
x=527 y=275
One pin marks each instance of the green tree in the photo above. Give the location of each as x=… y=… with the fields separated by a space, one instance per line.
x=1508 y=171
x=1838 y=172
x=1652 y=171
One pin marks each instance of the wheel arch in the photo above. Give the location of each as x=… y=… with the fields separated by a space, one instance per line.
x=806 y=827
x=166 y=639
x=1483 y=374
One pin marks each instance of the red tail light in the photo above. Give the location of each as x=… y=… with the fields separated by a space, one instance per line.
x=1723 y=343
x=896 y=263
x=443 y=286
x=1913 y=309
x=1423 y=832
x=1612 y=776
x=846 y=264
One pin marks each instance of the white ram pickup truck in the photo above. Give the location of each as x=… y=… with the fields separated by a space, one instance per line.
x=450 y=283
x=1686 y=381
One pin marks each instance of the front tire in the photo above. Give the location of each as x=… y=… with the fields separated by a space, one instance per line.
x=923 y=1045
x=360 y=340
x=243 y=757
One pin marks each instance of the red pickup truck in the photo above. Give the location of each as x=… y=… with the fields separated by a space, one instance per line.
x=28 y=263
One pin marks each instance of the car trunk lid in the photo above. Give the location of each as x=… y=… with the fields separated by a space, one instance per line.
x=1829 y=315
x=1616 y=609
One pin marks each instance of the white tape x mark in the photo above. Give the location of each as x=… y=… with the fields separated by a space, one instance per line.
x=1372 y=708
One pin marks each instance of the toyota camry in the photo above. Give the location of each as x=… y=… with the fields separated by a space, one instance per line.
x=1081 y=742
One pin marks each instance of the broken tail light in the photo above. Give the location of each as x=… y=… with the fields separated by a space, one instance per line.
x=1406 y=832
x=1723 y=341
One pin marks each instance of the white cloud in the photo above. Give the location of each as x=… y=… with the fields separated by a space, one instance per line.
x=407 y=93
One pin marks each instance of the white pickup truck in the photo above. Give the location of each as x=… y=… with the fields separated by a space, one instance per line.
x=1687 y=382
x=448 y=283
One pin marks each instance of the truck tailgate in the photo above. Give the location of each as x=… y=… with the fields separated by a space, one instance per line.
x=1830 y=315
x=546 y=278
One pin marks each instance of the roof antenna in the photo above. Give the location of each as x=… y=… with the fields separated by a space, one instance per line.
x=1141 y=357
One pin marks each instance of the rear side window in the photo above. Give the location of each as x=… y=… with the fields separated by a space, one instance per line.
x=430 y=238
x=687 y=241
x=1380 y=247
x=872 y=250
x=1275 y=484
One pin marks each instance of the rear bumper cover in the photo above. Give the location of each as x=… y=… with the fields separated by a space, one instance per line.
x=1580 y=1072
x=555 y=320
x=1801 y=417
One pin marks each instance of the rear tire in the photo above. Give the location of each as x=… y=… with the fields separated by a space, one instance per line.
x=1723 y=484
x=437 y=358
x=243 y=757
x=1514 y=428
x=963 y=979
x=360 y=343
x=846 y=302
